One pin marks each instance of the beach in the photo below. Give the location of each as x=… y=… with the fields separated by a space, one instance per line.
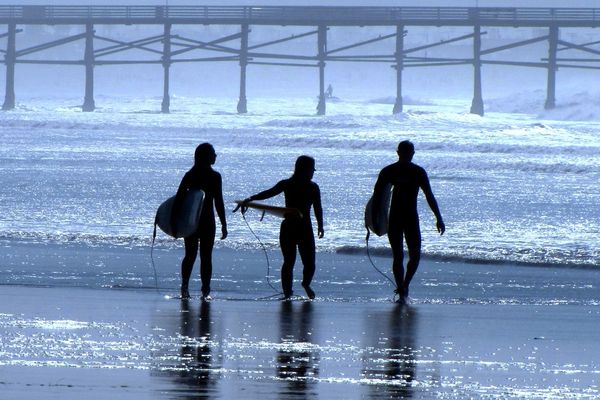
x=504 y=305
x=470 y=331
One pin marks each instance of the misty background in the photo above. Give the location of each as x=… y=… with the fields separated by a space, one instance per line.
x=503 y=86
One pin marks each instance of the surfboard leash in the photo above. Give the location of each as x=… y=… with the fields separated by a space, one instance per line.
x=152 y=257
x=264 y=249
x=373 y=263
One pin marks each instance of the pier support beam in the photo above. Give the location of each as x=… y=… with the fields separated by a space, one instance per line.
x=166 y=59
x=10 y=59
x=399 y=66
x=322 y=52
x=242 y=104
x=88 y=58
x=551 y=87
x=477 y=103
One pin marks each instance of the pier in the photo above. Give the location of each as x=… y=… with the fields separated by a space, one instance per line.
x=167 y=48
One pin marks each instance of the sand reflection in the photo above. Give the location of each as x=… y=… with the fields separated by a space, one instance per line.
x=197 y=371
x=297 y=359
x=390 y=363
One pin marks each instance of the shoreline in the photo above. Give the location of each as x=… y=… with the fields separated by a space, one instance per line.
x=170 y=245
x=339 y=277
x=386 y=252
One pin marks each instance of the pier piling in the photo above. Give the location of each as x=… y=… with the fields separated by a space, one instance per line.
x=551 y=85
x=477 y=103
x=242 y=103
x=321 y=54
x=10 y=59
x=399 y=66
x=166 y=58
x=88 y=101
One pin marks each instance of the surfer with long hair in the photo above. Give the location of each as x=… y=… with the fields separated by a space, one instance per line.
x=296 y=230
x=406 y=179
x=201 y=176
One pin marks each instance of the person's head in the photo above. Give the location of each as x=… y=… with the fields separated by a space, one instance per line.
x=406 y=150
x=305 y=167
x=205 y=155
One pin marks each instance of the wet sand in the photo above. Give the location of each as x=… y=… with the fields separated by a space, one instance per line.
x=71 y=341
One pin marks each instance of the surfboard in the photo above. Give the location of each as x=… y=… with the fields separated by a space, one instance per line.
x=281 y=212
x=378 y=224
x=186 y=223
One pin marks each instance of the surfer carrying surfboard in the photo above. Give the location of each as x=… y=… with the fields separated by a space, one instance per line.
x=296 y=230
x=406 y=179
x=201 y=177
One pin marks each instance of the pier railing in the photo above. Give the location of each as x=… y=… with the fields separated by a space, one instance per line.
x=301 y=15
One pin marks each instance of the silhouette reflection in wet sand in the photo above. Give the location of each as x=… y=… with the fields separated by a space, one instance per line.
x=197 y=372
x=392 y=365
x=297 y=361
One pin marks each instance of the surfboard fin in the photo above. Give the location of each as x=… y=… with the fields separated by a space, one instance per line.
x=262 y=215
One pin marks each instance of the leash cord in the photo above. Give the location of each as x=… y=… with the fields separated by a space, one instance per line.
x=373 y=264
x=152 y=258
x=264 y=249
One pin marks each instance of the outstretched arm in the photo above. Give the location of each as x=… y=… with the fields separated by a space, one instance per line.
x=220 y=206
x=267 y=194
x=318 y=211
x=426 y=187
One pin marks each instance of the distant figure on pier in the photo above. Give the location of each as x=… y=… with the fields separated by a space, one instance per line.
x=296 y=230
x=406 y=179
x=329 y=91
x=201 y=176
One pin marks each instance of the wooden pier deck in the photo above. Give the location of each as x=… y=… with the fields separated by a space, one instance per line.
x=299 y=15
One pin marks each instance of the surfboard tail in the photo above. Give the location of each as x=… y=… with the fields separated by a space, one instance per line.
x=378 y=222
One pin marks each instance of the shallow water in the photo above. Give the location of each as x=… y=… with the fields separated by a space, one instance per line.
x=340 y=278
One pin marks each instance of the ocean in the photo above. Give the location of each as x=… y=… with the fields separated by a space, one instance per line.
x=512 y=187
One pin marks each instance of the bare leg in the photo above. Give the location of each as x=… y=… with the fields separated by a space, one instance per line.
x=187 y=264
x=207 y=242
x=287 y=242
x=395 y=237
x=307 y=254
x=413 y=242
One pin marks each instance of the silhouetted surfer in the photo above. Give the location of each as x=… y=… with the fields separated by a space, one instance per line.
x=329 y=92
x=201 y=176
x=406 y=179
x=300 y=193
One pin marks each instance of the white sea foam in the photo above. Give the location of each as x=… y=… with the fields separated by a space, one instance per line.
x=574 y=106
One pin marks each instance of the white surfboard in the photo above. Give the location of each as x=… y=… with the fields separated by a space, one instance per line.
x=281 y=212
x=186 y=223
x=378 y=224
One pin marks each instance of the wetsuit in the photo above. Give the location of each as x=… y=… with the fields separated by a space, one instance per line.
x=301 y=194
x=209 y=181
x=407 y=178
